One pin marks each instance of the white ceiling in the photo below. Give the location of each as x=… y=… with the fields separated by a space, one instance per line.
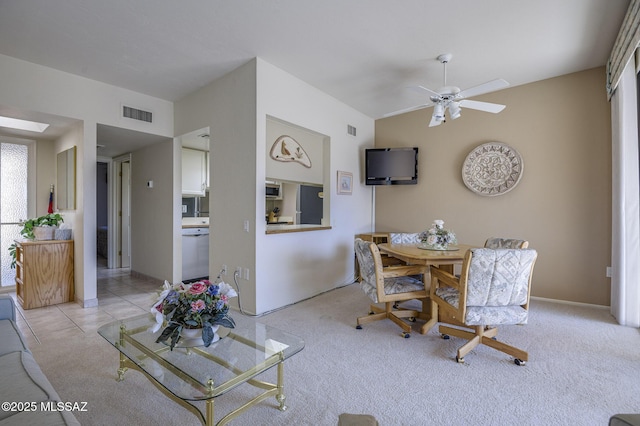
x=362 y=52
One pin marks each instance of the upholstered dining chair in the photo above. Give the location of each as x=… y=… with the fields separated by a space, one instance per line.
x=507 y=243
x=493 y=289
x=388 y=285
x=404 y=237
x=400 y=238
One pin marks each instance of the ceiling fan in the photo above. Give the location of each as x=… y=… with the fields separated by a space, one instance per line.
x=453 y=99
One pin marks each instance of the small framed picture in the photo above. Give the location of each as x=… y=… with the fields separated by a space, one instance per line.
x=345 y=182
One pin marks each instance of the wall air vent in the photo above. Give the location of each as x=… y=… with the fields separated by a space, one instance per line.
x=351 y=130
x=137 y=114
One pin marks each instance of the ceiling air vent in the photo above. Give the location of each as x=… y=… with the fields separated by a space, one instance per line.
x=351 y=130
x=137 y=114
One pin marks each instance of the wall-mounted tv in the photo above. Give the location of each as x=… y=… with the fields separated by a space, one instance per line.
x=391 y=166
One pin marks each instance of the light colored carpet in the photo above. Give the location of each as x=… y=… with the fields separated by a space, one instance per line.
x=582 y=369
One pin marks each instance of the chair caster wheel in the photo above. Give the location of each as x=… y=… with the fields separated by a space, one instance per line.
x=396 y=306
x=412 y=319
x=460 y=360
x=519 y=362
x=446 y=337
x=358 y=327
x=405 y=335
x=371 y=313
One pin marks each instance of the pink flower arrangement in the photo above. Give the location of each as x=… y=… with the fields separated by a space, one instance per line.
x=202 y=304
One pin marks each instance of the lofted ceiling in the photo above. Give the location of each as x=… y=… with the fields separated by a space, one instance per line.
x=364 y=53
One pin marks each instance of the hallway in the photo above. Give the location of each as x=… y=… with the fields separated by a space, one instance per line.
x=119 y=296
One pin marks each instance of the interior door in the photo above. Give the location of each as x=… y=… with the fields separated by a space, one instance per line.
x=125 y=214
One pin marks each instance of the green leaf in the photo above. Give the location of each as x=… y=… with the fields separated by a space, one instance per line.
x=168 y=331
x=175 y=336
x=207 y=336
x=169 y=316
x=225 y=321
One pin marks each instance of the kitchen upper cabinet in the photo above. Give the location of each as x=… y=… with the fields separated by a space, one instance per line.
x=194 y=172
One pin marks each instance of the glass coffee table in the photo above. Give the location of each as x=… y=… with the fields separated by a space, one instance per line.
x=193 y=374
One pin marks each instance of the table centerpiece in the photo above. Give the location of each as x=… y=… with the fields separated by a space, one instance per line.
x=437 y=237
x=201 y=305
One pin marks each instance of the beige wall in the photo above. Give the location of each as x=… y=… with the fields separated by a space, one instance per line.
x=562 y=205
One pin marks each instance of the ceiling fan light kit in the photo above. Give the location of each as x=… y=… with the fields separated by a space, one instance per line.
x=453 y=99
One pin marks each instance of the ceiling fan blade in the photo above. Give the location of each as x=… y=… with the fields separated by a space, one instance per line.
x=434 y=122
x=482 y=106
x=487 y=87
x=422 y=89
x=402 y=111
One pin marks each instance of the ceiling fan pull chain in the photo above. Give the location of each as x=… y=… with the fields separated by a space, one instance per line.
x=445 y=73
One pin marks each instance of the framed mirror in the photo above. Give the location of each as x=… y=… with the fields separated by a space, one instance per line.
x=66 y=179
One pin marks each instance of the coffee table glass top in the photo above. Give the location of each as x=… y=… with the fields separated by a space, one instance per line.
x=201 y=373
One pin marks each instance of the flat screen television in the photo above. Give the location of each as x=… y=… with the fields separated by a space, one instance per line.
x=391 y=166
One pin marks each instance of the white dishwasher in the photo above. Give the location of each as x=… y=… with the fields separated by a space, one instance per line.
x=195 y=253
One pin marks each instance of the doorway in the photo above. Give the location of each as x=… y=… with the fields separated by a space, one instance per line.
x=120 y=232
x=102 y=212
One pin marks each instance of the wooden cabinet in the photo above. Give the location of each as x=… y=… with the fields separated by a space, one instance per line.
x=374 y=237
x=44 y=273
x=194 y=172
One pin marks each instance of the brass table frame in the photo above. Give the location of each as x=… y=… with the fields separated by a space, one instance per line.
x=208 y=388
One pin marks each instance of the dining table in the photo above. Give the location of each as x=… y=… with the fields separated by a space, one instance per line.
x=419 y=254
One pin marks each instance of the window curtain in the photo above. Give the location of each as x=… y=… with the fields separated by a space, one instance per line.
x=624 y=47
x=625 y=250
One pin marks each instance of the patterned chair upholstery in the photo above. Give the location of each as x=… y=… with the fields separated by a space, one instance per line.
x=388 y=285
x=401 y=238
x=507 y=243
x=404 y=237
x=493 y=289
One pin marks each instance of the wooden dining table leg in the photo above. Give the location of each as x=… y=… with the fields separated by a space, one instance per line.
x=433 y=320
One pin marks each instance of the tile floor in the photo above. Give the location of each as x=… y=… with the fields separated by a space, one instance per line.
x=120 y=295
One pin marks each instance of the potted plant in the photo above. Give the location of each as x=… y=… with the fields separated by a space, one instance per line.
x=31 y=227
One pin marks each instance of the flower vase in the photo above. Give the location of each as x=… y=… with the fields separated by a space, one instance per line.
x=436 y=246
x=192 y=337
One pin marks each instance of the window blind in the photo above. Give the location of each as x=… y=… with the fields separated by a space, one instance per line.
x=624 y=46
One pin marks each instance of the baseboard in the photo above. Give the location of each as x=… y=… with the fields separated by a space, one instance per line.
x=137 y=274
x=8 y=289
x=568 y=302
x=90 y=303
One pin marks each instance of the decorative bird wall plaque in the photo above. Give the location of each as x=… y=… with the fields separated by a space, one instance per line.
x=287 y=149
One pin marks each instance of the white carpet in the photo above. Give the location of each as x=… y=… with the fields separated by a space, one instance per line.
x=582 y=369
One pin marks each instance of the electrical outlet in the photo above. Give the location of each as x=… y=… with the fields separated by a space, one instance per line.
x=238 y=271
x=608 y=272
x=246 y=274
x=246 y=226
x=224 y=269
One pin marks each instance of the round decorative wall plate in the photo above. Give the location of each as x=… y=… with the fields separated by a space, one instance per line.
x=491 y=169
